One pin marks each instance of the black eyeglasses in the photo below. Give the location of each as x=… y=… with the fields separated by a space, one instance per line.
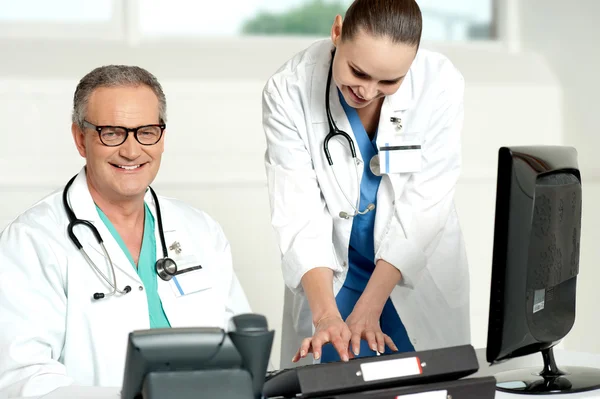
x=112 y=136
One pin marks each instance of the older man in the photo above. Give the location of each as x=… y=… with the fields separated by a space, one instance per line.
x=72 y=291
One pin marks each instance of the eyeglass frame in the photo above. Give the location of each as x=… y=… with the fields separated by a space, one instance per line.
x=134 y=130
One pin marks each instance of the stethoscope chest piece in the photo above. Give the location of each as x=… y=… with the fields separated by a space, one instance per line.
x=166 y=268
x=375 y=166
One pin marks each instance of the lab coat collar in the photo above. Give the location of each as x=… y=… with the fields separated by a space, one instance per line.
x=317 y=95
x=402 y=100
x=84 y=208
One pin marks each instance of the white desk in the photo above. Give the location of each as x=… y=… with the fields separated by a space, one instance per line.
x=563 y=358
x=83 y=393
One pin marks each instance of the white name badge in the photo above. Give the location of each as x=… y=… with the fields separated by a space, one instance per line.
x=188 y=282
x=400 y=154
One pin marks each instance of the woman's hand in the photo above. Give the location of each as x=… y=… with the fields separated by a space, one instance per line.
x=363 y=323
x=328 y=329
x=364 y=319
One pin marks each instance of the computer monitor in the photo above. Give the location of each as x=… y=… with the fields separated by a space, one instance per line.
x=535 y=266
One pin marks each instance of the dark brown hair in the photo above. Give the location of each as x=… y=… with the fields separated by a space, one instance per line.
x=399 y=20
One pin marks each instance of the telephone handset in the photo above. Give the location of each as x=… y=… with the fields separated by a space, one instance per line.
x=199 y=362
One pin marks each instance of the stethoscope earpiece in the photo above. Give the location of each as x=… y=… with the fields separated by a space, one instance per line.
x=100 y=295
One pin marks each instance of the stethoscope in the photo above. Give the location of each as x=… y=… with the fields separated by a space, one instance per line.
x=166 y=267
x=334 y=131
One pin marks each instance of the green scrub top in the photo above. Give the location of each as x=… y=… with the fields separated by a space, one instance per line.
x=145 y=269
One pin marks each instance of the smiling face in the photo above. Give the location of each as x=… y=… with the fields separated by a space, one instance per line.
x=120 y=173
x=367 y=68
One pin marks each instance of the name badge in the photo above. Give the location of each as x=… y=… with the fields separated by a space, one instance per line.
x=188 y=282
x=400 y=154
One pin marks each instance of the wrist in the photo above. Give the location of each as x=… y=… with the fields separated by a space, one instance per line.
x=318 y=286
x=328 y=314
x=367 y=304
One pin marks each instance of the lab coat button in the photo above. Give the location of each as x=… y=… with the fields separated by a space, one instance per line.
x=141 y=288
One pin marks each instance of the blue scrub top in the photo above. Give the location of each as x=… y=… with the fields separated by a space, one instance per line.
x=145 y=268
x=361 y=252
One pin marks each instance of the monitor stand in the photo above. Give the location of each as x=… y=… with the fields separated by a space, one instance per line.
x=550 y=380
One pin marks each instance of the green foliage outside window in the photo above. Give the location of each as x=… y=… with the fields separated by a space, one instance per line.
x=311 y=19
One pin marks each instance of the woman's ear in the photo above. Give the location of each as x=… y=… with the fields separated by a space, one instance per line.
x=336 y=30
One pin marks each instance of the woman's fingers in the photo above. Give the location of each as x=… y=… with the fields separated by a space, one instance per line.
x=380 y=341
x=296 y=356
x=390 y=342
x=355 y=342
x=305 y=348
x=341 y=346
x=318 y=341
x=338 y=334
x=371 y=340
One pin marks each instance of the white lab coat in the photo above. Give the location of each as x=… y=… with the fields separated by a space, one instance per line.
x=416 y=225
x=52 y=333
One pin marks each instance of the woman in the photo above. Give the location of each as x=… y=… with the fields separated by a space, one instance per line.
x=362 y=194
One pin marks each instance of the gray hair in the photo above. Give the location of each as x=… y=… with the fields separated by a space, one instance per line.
x=115 y=76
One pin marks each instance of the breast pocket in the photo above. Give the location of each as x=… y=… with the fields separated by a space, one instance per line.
x=400 y=153
x=191 y=277
x=192 y=298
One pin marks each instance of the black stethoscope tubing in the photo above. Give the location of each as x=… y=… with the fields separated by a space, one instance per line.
x=165 y=267
x=333 y=129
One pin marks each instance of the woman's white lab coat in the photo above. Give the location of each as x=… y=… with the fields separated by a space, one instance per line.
x=416 y=225
x=52 y=332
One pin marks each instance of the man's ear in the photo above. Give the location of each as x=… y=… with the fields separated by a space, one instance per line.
x=79 y=139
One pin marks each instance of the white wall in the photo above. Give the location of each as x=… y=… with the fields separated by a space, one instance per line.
x=215 y=142
x=566 y=35
x=507 y=102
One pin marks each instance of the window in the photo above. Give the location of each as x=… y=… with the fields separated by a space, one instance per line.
x=55 y=11
x=62 y=19
x=456 y=20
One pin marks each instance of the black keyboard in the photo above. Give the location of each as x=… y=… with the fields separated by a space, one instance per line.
x=273 y=373
x=366 y=373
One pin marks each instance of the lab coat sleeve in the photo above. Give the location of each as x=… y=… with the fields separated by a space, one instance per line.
x=237 y=302
x=32 y=313
x=423 y=207
x=299 y=215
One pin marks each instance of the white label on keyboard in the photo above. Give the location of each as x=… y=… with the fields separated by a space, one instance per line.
x=425 y=395
x=374 y=371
